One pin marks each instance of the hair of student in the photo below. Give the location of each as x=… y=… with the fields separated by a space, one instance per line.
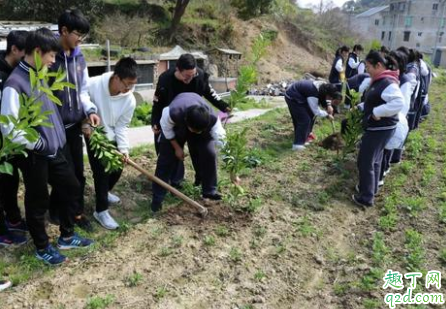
x=126 y=68
x=16 y=38
x=186 y=62
x=401 y=59
x=197 y=117
x=328 y=90
x=384 y=49
x=42 y=38
x=341 y=49
x=374 y=57
x=404 y=49
x=414 y=55
x=73 y=20
x=358 y=47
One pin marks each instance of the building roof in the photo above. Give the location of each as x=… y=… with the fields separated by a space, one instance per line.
x=7 y=26
x=177 y=51
x=227 y=51
x=372 y=11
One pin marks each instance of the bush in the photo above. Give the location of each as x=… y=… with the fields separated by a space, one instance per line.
x=142 y=115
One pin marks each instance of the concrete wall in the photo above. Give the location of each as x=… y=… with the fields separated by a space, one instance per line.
x=425 y=24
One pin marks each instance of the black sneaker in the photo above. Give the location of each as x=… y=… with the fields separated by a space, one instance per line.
x=360 y=202
x=17 y=227
x=83 y=223
x=213 y=196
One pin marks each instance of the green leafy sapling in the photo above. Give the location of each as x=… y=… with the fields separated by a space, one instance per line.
x=105 y=151
x=354 y=129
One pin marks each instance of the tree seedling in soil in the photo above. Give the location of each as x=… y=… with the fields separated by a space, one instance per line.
x=222 y=231
x=235 y=255
x=354 y=128
x=160 y=292
x=259 y=275
x=209 y=240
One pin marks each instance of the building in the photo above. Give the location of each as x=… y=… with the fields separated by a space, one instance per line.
x=368 y=23
x=416 y=24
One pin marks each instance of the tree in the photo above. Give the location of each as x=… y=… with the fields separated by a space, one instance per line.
x=47 y=10
x=252 y=8
x=180 y=8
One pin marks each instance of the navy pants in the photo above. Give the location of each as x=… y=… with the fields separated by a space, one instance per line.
x=303 y=121
x=370 y=159
x=38 y=172
x=387 y=156
x=204 y=159
x=73 y=152
x=9 y=186
x=177 y=176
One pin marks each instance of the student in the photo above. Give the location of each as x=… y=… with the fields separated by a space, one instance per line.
x=426 y=80
x=188 y=119
x=396 y=142
x=353 y=61
x=184 y=77
x=383 y=102
x=361 y=67
x=113 y=96
x=337 y=73
x=303 y=99
x=9 y=184
x=45 y=163
x=77 y=106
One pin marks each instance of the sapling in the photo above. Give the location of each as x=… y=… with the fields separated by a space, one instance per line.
x=354 y=129
x=235 y=152
x=105 y=151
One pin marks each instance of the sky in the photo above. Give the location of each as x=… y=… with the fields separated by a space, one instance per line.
x=310 y=3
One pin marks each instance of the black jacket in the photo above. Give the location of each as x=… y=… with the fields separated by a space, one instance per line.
x=169 y=87
x=5 y=70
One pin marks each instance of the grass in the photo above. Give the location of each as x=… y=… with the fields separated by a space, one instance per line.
x=415 y=256
x=134 y=279
x=98 y=302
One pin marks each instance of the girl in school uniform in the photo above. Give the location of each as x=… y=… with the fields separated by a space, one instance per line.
x=337 y=69
x=353 y=61
x=383 y=102
x=396 y=143
x=303 y=99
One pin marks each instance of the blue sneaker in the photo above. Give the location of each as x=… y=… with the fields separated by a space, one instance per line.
x=18 y=227
x=12 y=239
x=73 y=242
x=51 y=256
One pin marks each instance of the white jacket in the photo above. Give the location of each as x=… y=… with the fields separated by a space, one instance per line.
x=116 y=112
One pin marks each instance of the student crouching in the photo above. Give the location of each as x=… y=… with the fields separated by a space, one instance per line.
x=303 y=99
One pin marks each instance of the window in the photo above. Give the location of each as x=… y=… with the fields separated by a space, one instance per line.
x=406 y=36
x=408 y=21
x=442 y=22
x=435 y=6
x=420 y=33
x=376 y=22
x=440 y=36
x=402 y=6
x=383 y=35
x=390 y=35
x=384 y=21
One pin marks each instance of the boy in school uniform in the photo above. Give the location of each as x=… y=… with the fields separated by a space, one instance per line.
x=9 y=184
x=188 y=119
x=112 y=93
x=77 y=106
x=186 y=76
x=45 y=163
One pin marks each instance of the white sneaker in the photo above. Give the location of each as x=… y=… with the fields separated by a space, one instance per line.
x=4 y=284
x=380 y=183
x=106 y=220
x=386 y=172
x=298 y=147
x=113 y=199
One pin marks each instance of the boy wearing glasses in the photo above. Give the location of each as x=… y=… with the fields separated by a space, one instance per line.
x=185 y=77
x=77 y=106
x=112 y=94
